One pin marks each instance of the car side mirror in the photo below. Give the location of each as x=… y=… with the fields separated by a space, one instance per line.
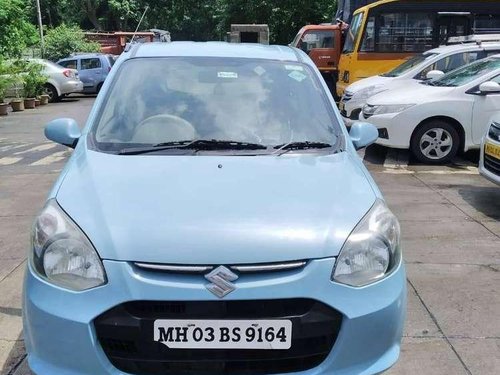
x=64 y=131
x=433 y=74
x=363 y=134
x=489 y=87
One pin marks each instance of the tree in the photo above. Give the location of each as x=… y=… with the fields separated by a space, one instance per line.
x=64 y=40
x=16 y=32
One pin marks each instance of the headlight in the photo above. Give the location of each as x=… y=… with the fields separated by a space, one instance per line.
x=372 y=250
x=62 y=254
x=369 y=92
x=384 y=109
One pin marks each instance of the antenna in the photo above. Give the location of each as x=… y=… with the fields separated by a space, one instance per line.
x=139 y=24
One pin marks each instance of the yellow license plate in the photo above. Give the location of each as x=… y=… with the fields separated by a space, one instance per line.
x=492 y=150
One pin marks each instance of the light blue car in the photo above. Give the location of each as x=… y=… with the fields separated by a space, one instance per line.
x=214 y=218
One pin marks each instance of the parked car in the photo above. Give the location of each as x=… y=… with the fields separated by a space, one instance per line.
x=489 y=164
x=92 y=67
x=428 y=65
x=61 y=81
x=439 y=118
x=223 y=223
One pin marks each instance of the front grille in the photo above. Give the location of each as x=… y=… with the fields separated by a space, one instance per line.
x=126 y=336
x=492 y=164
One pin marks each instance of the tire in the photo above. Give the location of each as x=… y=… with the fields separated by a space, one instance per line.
x=52 y=93
x=435 y=142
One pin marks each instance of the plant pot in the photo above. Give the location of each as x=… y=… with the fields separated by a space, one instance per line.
x=3 y=109
x=37 y=102
x=44 y=99
x=29 y=103
x=17 y=105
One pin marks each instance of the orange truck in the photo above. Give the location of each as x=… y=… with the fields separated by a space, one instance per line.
x=323 y=43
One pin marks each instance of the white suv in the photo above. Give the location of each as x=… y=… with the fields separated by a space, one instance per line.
x=436 y=62
x=438 y=118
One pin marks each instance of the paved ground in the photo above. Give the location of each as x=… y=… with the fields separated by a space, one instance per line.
x=450 y=218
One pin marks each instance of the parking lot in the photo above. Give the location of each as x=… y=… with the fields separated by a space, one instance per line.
x=450 y=218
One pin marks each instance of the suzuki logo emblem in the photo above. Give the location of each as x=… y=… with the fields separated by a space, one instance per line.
x=220 y=279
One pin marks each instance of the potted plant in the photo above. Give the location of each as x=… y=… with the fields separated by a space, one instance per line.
x=33 y=80
x=6 y=82
x=16 y=71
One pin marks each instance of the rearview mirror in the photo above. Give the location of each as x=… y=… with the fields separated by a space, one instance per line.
x=433 y=74
x=64 y=131
x=363 y=134
x=489 y=87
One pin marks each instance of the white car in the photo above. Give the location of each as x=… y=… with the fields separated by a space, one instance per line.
x=438 y=118
x=61 y=81
x=430 y=64
x=489 y=163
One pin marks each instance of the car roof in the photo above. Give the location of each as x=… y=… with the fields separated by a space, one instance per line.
x=464 y=47
x=214 y=49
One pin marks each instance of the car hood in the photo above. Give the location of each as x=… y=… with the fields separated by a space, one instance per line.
x=410 y=94
x=367 y=82
x=215 y=209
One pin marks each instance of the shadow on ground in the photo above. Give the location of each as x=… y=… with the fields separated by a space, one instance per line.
x=14 y=358
x=484 y=199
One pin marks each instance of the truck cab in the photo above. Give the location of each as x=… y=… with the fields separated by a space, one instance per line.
x=323 y=44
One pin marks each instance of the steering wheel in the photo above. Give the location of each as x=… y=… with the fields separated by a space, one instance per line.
x=164 y=128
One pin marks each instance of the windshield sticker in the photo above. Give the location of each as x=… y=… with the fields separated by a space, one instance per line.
x=298 y=76
x=294 y=67
x=259 y=70
x=227 y=75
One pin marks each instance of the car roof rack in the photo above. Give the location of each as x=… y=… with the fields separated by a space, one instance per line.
x=478 y=39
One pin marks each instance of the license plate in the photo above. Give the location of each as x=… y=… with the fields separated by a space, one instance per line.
x=341 y=106
x=492 y=150
x=224 y=334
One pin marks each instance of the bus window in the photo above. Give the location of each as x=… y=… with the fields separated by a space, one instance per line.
x=368 y=44
x=486 y=24
x=353 y=32
x=404 y=32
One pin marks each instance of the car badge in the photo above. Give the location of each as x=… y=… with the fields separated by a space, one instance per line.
x=220 y=279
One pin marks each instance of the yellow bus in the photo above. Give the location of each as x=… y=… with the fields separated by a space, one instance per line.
x=384 y=34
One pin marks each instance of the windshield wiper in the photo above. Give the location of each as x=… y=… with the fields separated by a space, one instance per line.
x=302 y=145
x=198 y=144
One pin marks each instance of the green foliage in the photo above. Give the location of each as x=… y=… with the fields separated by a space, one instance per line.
x=16 y=32
x=6 y=79
x=64 y=40
x=33 y=79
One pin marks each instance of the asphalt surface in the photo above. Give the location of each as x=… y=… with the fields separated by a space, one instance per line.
x=450 y=218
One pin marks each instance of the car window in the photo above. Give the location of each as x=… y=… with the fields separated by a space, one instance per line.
x=92 y=63
x=452 y=62
x=317 y=39
x=70 y=64
x=467 y=73
x=492 y=52
x=111 y=60
x=409 y=64
x=244 y=100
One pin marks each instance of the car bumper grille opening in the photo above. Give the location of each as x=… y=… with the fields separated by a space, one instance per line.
x=126 y=336
x=492 y=164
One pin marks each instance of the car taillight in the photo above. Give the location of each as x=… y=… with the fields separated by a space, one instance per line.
x=68 y=73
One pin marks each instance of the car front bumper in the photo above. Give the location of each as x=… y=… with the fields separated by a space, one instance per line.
x=399 y=128
x=72 y=86
x=488 y=172
x=61 y=338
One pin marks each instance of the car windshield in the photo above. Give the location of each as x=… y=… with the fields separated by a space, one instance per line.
x=175 y=101
x=409 y=64
x=353 y=33
x=467 y=73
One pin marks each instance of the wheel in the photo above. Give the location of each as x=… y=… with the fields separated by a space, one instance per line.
x=99 y=87
x=435 y=142
x=52 y=93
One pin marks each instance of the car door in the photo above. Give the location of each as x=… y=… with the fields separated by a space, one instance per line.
x=485 y=106
x=90 y=73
